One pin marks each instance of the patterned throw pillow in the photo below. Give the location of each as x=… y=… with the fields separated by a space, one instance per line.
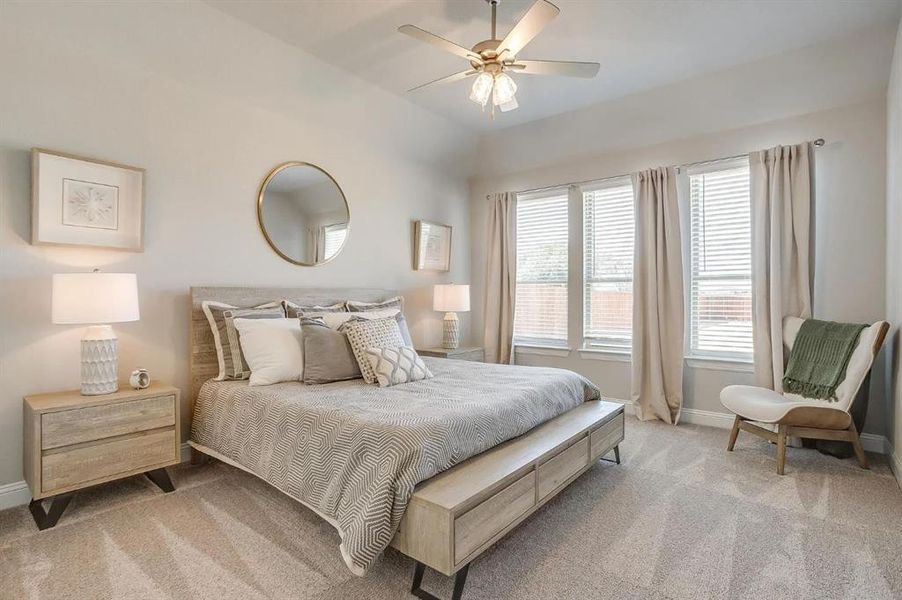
x=363 y=334
x=397 y=365
x=225 y=336
x=293 y=311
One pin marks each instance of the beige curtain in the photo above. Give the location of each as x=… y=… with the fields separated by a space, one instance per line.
x=781 y=276
x=500 y=277
x=657 y=354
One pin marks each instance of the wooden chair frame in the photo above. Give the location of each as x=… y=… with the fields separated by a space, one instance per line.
x=813 y=422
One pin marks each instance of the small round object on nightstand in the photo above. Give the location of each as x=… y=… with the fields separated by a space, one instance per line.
x=139 y=379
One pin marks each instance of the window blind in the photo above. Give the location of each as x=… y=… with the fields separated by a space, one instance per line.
x=540 y=316
x=720 y=306
x=608 y=239
x=334 y=238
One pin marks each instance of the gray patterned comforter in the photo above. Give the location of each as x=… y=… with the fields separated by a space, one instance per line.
x=354 y=452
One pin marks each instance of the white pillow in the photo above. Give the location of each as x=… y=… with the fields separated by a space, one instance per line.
x=272 y=349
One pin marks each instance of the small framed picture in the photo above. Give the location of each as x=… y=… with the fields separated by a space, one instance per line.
x=432 y=242
x=77 y=201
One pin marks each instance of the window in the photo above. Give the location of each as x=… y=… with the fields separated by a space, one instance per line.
x=609 y=231
x=540 y=317
x=333 y=238
x=720 y=269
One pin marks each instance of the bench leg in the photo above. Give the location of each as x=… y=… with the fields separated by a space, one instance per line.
x=161 y=478
x=460 y=579
x=616 y=450
x=47 y=519
x=734 y=433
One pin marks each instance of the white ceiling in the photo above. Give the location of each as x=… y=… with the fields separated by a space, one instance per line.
x=640 y=44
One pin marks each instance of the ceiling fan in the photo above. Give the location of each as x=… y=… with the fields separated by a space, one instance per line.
x=492 y=60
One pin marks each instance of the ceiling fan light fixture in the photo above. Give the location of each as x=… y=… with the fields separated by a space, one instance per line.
x=504 y=89
x=509 y=106
x=482 y=88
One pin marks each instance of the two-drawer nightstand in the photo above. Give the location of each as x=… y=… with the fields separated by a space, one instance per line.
x=473 y=353
x=74 y=441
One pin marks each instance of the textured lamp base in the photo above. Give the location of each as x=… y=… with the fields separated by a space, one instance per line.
x=99 y=361
x=450 y=331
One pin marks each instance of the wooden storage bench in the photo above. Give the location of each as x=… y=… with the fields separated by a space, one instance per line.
x=456 y=515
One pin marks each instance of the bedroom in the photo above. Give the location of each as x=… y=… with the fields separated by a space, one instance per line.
x=206 y=99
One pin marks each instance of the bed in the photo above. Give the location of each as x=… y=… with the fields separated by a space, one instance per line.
x=428 y=467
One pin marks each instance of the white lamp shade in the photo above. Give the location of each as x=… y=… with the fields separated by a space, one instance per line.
x=101 y=298
x=451 y=298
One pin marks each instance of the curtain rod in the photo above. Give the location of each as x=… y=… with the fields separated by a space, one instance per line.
x=817 y=143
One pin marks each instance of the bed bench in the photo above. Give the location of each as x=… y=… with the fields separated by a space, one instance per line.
x=455 y=516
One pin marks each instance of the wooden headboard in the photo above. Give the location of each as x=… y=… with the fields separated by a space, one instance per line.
x=204 y=363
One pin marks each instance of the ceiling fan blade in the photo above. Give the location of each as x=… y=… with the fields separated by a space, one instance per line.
x=536 y=18
x=448 y=79
x=556 y=67
x=439 y=42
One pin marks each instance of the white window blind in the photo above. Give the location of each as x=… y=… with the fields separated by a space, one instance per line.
x=540 y=316
x=720 y=305
x=334 y=237
x=609 y=232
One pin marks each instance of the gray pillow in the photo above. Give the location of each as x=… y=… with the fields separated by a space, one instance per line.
x=328 y=355
x=293 y=311
x=355 y=306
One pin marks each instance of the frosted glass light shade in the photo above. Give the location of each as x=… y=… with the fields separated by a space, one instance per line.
x=482 y=88
x=504 y=89
x=94 y=298
x=451 y=298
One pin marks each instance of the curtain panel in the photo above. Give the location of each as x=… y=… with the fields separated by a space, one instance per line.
x=781 y=193
x=658 y=301
x=500 y=277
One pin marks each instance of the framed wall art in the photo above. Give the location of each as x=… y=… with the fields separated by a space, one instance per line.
x=432 y=243
x=77 y=201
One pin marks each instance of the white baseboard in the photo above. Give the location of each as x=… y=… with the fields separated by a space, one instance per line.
x=895 y=463
x=14 y=494
x=18 y=494
x=871 y=442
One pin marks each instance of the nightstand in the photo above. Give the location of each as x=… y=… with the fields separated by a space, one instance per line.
x=74 y=441
x=473 y=353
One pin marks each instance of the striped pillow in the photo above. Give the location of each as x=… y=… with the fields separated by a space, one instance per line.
x=293 y=311
x=221 y=317
x=355 y=306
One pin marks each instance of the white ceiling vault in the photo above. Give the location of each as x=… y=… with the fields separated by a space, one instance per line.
x=641 y=45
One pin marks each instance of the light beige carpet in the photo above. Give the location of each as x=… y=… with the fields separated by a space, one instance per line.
x=680 y=518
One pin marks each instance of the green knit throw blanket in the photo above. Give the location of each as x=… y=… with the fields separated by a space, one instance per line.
x=819 y=357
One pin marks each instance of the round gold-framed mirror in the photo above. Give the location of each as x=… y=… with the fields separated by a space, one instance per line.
x=303 y=213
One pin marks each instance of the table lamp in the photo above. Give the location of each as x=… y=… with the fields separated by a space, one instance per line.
x=96 y=299
x=451 y=299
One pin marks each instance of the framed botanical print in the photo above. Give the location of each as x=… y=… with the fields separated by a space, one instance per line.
x=77 y=201
x=432 y=243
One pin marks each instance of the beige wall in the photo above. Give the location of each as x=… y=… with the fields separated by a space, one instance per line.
x=894 y=253
x=208 y=106
x=850 y=231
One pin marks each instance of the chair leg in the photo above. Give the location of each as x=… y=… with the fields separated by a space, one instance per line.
x=781 y=448
x=734 y=433
x=856 y=445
